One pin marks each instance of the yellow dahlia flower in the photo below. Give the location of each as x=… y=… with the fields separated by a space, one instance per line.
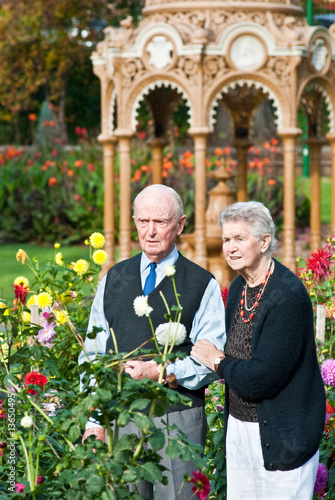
x=99 y=257
x=25 y=317
x=97 y=240
x=57 y=245
x=44 y=299
x=81 y=266
x=32 y=300
x=61 y=317
x=59 y=259
x=21 y=280
x=6 y=310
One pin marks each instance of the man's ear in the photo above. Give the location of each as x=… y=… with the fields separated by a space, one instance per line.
x=181 y=224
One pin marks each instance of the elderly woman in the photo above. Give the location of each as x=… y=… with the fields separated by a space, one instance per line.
x=275 y=399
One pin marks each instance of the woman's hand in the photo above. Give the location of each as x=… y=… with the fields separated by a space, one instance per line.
x=206 y=352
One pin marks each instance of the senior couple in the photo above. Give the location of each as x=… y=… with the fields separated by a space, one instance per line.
x=274 y=397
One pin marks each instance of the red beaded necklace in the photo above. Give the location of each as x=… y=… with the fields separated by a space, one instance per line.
x=243 y=301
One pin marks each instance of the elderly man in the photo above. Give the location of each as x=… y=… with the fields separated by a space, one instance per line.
x=159 y=219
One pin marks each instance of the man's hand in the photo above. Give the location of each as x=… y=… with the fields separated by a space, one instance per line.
x=99 y=433
x=140 y=369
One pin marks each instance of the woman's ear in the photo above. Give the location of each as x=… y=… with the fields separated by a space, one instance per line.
x=266 y=240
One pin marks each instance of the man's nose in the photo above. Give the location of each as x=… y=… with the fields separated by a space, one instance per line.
x=152 y=227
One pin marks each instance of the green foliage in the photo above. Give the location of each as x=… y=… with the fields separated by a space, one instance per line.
x=43 y=200
x=318 y=275
x=50 y=460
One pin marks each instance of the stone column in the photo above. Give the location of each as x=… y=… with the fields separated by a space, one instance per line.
x=124 y=140
x=331 y=139
x=200 y=144
x=242 y=146
x=157 y=145
x=289 y=136
x=108 y=144
x=315 y=144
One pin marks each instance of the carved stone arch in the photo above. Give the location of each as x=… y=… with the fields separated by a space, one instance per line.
x=136 y=100
x=251 y=28
x=322 y=89
x=265 y=89
x=112 y=110
x=157 y=29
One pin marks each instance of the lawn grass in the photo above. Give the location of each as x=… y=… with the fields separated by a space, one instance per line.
x=303 y=185
x=10 y=268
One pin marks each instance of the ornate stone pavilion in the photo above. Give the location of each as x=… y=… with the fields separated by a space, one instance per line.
x=212 y=53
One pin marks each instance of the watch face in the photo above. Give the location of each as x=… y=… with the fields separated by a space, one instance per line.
x=247 y=52
x=319 y=54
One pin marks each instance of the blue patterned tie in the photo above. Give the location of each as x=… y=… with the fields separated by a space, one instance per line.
x=149 y=284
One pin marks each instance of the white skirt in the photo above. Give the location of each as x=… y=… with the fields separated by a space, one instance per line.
x=247 y=478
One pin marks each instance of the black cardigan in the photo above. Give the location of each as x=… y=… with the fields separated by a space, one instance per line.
x=283 y=376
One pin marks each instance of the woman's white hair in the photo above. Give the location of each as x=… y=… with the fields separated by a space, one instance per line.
x=167 y=191
x=255 y=215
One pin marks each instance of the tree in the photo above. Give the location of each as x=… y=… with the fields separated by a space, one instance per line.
x=41 y=41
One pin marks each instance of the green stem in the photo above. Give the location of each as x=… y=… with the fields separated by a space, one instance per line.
x=154 y=336
x=109 y=436
x=37 y=466
x=31 y=461
x=175 y=292
x=31 y=484
x=114 y=340
x=177 y=321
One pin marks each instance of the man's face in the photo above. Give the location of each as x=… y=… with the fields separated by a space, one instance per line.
x=157 y=225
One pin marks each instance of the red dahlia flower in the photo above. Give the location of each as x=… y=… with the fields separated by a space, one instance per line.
x=319 y=263
x=34 y=378
x=224 y=294
x=20 y=292
x=201 y=486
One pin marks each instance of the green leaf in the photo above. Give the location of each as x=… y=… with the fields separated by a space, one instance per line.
x=103 y=395
x=143 y=422
x=173 y=449
x=140 y=404
x=157 y=440
x=108 y=495
x=124 y=418
x=95 y=483
x=74 y=433
x=52 y=366
x=151 y=472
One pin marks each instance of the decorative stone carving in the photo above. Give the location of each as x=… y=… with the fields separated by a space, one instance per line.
x=200 y=35
x=287 y=34
x=319 y=54
x=247 y=52
x=160 y=50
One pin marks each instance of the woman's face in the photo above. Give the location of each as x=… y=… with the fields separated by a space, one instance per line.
x=242 y=251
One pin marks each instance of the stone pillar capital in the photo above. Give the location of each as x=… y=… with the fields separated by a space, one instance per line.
x=107 y=139
x=199 y=131
x=330 y=137
x=316 y=142
x=124 y=133
x=157 y=142
x=289 y=132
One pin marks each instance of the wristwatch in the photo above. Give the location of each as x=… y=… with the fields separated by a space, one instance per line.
x=217 y=361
